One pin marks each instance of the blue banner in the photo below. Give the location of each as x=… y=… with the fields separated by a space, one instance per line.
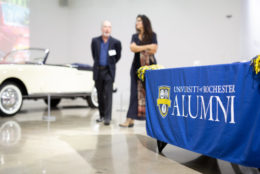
x=212 y=110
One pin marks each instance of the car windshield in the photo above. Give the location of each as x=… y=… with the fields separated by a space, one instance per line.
x=25 y=56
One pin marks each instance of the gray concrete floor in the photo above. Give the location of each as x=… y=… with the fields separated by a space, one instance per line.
x=75 y=143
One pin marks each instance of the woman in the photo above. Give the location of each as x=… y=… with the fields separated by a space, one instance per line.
x=144 y=45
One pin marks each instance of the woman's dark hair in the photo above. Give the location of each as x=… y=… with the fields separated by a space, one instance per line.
x=148 y=31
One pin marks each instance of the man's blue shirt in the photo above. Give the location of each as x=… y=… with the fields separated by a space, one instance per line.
x=103 y=53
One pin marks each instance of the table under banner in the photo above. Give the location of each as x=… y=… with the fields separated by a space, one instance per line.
x=212 y=110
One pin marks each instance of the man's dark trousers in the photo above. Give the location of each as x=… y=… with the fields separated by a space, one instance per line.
x=104 y=85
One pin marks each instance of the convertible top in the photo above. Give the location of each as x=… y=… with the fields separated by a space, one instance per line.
x=81 y=66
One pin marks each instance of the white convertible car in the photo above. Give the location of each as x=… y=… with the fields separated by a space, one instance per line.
x=24 y=74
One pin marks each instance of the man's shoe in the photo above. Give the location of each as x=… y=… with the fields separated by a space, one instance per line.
x=100 y=120
x=106 y=123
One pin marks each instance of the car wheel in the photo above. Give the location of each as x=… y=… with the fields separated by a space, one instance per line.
x=11 y=99
x=93 y=99
x=54 y=102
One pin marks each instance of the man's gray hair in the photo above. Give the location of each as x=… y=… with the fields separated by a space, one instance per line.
x=106 y=22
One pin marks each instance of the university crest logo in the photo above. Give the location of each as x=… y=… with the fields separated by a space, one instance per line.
x=164 y=101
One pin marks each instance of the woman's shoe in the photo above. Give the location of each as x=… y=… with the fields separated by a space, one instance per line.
x=126 y=125
x=131 y=125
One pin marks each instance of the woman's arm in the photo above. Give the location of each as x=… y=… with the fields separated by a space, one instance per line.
x=151 y=48
x=137 y=48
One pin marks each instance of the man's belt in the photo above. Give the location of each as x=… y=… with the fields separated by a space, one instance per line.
x=102 y=67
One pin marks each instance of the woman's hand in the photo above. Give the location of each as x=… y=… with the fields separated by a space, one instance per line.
x=152 y=48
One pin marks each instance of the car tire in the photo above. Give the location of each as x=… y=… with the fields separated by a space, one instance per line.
x=54 y=102
x=11 y=99
x=92 y=100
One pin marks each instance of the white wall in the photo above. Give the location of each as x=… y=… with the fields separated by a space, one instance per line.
x=188 y=30
x=251 y=27
x=49 y=28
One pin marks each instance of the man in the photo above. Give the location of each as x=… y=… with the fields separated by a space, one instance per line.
x=106 y=52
